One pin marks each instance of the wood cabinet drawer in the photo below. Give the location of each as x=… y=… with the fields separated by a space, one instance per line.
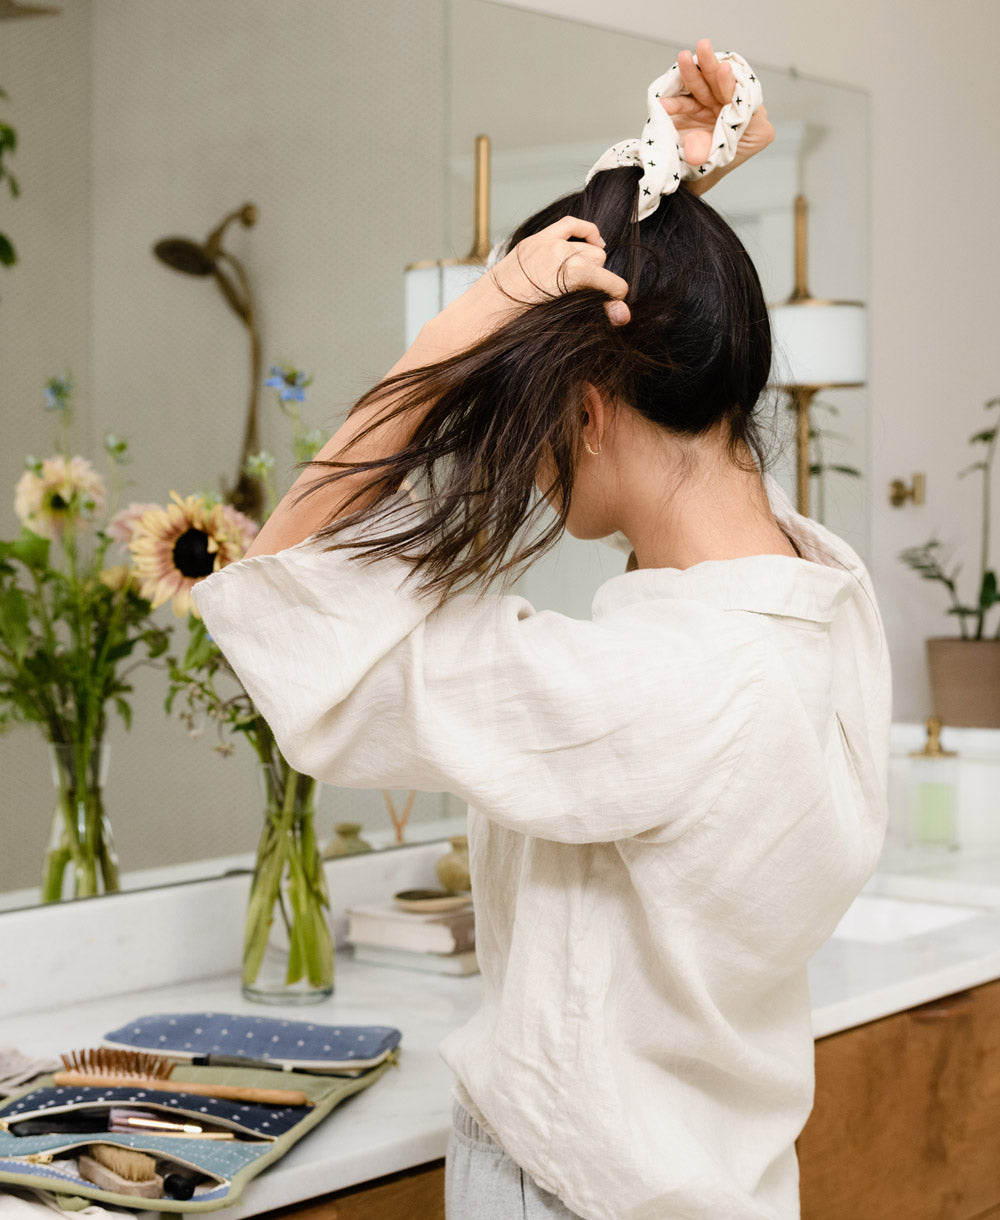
x=906 y=1123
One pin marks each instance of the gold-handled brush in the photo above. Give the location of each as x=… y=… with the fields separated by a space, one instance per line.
x=107 y=1067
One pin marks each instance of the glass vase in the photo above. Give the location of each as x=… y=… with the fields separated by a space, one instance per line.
x=287 y=946
x=80 y=860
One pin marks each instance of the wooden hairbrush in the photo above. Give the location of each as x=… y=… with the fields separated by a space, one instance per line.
x=108 y=1067
x=124 y=1171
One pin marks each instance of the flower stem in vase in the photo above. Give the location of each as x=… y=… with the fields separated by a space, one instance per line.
x=288 y=949
x=81 y=838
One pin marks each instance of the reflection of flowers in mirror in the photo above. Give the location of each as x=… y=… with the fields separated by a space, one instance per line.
x=72 y=630
x=176 y=546
x=58 y=494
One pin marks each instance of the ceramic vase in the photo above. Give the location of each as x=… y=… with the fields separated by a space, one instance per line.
x=346 y=841
x=453 y=867
x=288 y=947
x=80 y=860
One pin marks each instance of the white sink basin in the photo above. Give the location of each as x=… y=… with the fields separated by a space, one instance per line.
x=879 y=919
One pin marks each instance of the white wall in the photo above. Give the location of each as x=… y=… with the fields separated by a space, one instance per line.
x=935 y=283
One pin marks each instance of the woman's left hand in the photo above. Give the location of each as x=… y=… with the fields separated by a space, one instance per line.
x=710 y=84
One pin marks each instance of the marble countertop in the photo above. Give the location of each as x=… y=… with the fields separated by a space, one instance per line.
x=853 y=981
x=404 y=1119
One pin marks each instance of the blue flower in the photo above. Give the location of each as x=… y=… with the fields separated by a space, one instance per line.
x=57 y=392
x=289 y=382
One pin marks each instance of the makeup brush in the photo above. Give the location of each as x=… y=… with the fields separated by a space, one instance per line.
x=106 y=1067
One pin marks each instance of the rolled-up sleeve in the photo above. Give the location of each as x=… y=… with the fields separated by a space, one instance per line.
x=573 y=730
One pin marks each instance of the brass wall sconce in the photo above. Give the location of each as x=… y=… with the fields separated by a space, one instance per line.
x=899 y=493
x=208 y=258
x=822 y=345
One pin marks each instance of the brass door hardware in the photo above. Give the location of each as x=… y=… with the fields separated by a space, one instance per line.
x=899 y=493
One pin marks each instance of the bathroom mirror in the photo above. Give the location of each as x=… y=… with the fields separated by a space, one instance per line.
x=351 y=128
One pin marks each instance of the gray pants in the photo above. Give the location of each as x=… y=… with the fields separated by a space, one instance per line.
x=483 y=1183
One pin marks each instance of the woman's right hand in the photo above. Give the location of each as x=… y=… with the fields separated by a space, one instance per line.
x=563 y=257
x=710 y=84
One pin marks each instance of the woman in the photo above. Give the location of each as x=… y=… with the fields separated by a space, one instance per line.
x=671 y=804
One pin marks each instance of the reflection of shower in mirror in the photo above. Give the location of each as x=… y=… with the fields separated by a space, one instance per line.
x=10 y=9
x=208 y=258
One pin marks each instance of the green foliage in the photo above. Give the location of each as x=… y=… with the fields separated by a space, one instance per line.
x=928 y=561
x=820 y=467
x=208 y=689
x=72 y=630
x=66 y=636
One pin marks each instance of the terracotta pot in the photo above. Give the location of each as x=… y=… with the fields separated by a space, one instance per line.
x=965 y=681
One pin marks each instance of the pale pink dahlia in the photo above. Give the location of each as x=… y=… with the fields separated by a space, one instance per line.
x=122 y=525
x=61 y=495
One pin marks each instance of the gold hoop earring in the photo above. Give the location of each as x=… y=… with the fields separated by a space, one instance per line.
x=592 y=452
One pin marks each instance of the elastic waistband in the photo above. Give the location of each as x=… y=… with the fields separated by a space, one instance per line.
x=467 y=1126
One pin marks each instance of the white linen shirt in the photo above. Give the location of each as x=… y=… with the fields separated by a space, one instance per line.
x=671 y=806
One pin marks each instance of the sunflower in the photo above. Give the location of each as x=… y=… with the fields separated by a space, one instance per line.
x=175 y=547
x=58 y=495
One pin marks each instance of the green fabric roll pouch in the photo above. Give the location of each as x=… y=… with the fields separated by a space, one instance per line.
x=205 y=1148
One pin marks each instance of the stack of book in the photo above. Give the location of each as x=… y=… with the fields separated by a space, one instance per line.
x=442 y=942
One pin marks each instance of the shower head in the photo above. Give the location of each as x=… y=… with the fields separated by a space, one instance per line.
x=10 y=9
x=184 y=255
x=201 y=258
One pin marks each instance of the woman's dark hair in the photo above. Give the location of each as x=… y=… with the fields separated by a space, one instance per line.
x=695 y=356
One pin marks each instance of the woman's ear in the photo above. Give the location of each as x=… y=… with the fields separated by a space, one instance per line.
x=597 y=419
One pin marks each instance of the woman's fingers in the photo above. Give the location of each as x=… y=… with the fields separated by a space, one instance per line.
x=572 y=226
x=566 y=256
x=580 y=272
x=694 y=79
x=709 y=82
x=618 y=313
x=697 y=147
x=718 y=76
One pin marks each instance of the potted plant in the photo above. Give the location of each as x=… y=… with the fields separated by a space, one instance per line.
x=965 y=669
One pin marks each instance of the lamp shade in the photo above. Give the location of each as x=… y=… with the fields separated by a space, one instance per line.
x=818 y=343
x=429 y=287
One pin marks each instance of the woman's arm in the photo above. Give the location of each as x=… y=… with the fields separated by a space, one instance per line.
x=563 y=257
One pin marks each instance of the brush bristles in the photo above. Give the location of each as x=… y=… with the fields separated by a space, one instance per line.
x=126 y=1162
x=110 y=1061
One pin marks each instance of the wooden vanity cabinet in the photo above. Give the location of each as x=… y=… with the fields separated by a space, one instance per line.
x=906 y=1122
x=416 y=1194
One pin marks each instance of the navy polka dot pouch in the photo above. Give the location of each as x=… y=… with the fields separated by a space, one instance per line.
x=228 y=1038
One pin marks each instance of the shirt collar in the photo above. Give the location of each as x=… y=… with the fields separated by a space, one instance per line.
x=810 y=588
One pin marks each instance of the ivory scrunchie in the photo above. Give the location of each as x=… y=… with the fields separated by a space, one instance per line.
x=659 y=150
